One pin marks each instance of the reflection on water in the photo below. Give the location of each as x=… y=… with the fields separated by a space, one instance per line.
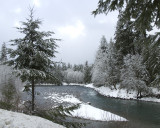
x=139 y=113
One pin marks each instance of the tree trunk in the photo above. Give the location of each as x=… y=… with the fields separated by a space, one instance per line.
x=33 y=96
x=114 y=86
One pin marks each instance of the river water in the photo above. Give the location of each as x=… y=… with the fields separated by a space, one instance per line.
x=140 y=114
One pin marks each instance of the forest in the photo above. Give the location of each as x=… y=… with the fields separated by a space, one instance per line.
x=129 y=61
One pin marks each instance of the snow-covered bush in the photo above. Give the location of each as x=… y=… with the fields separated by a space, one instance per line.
x=134 y=74
x=10 y=85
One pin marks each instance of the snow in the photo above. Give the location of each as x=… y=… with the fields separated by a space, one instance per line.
x=122 y=93
x=71 y=99
x=10 y=119
x=119 y=93
x=72 y=84
x=87 y=111
x=63 y=98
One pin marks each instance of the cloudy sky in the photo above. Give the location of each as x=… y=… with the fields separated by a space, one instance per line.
x=71 y=20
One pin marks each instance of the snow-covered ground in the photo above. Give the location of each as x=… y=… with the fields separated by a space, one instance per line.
x=73 y=84
x=64 y=97
x=87 y=111
x=122 y=93
x=10 y=119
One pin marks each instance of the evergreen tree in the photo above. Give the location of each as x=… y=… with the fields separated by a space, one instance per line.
x=152 y=60
x=134 y=74
x=113 y=70
x=144 y=13
x=33 y=55
x=127 y=38
x=99 y=73
x=87 y=73
x=64 y=67
x=3 y=53
x=69 y=66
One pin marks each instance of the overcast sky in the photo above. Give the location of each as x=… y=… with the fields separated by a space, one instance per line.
x=71 y=20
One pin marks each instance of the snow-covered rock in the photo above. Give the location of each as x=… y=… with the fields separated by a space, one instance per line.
x=10 y=119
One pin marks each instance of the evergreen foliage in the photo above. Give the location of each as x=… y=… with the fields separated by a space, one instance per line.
x=127 y=39
x=144 y=13
x=87 y=73
x=113 y=70
x=33 y=55
x=99 y=72
x=134 y=74
x=8 y=95
x=3 y=57
x=136 y=19
x=59 y=115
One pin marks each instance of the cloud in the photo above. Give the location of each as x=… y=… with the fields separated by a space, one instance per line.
x=73 y=31
x=18 y=10
x=17 y=23
x=37 y=3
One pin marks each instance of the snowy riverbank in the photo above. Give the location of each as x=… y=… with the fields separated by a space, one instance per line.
x=120 y=93
x=85 y=110
x=10 y=119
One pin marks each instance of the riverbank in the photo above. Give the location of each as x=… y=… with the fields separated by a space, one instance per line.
x=120 y=93
x=85 y=111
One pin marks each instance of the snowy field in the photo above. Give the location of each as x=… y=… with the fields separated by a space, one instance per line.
x=10 y=119
x=121 y=93
x=87 y=111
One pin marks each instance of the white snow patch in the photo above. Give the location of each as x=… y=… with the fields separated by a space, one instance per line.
x=119 y=93
x=73 y=84
x=89 y=112
x=10 y=119
x=71 y=99
x=66 y=98
x=153 y=99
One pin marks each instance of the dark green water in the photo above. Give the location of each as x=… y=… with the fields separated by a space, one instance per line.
x=139 y=113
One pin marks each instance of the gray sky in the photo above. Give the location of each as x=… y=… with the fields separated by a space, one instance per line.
x=71 y=20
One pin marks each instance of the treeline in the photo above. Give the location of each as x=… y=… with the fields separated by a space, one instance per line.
x=126 y=62
x=135 y=51
x=73 y=73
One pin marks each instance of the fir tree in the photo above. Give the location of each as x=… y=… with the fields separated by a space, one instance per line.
x=134 y=74
x=87 y=73
x=3 y=53
x=113 y=70
x=33 y=55
x=99 y=73
x=127 y=38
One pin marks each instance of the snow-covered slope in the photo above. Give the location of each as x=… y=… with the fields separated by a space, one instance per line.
x=89 y=112
x=10 y=119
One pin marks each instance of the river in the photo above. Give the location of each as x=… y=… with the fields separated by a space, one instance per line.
x=140 y=114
